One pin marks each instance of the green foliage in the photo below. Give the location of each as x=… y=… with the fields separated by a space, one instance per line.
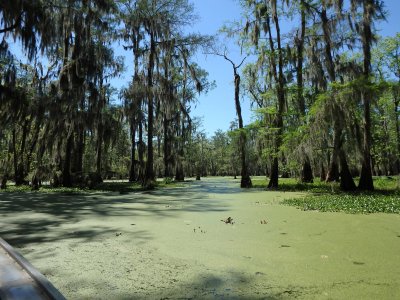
x=168 y=180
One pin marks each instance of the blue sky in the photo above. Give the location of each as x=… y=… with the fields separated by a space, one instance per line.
x=217 y=108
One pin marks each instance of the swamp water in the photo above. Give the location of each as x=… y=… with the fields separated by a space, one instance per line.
x=174 y=243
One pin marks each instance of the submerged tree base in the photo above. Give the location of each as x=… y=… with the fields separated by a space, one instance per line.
x=366 y=183
x=245 y=182
x=306 y=173
x=149 y=185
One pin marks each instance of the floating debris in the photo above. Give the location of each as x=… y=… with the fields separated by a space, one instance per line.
x=229 y=220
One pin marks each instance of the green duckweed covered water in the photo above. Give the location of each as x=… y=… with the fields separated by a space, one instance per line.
x=171 y=243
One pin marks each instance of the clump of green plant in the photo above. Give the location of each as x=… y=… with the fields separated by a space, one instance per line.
x=349 y=203
x=168 y=180
x=387 y=183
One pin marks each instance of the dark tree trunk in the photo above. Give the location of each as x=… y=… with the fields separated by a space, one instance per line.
x=346 y=180
x=66 y=170
x=141 y=154
x=179 y=173
x=99 y=151
x=279 y=79
x=273 y=182
x=366 y=182
x=149 y=172
x=333 y=171
x=35 y=183
x=306 y=173
x=3 y=184
x=80 y=150
x=245 y=181
x=15 y=157
x=19 y=166
x=132 y=170
x=322 y=174
x=33 y=146
x=167 y=149
x=133 y=176
x=396 y=113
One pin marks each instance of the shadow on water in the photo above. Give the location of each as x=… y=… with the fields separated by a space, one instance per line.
x=205 y=286
x=35 y=217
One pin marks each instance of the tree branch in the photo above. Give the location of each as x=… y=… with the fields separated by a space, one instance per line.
x=12 y=27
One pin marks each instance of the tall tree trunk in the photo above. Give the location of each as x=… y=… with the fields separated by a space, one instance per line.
x=366 y=182
x=132 y=169
x=245 y=181
x=396 y=113
x=19 y=162
x=167 y=149
x=19 y=167
x=279 y=80
x=322 y=174
x=99 y=154
x=66 y=168
x=333 y=168
x=333 y=171
x=15 y=156
x=79 y=151
x=141 y=149
x=35 y=138
x=3 y=182
x=306 y=172
x=346 y=180
x=179 y=173
x=65 y=165
x=149 y=173
x=273 y=180
x=134 y=119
